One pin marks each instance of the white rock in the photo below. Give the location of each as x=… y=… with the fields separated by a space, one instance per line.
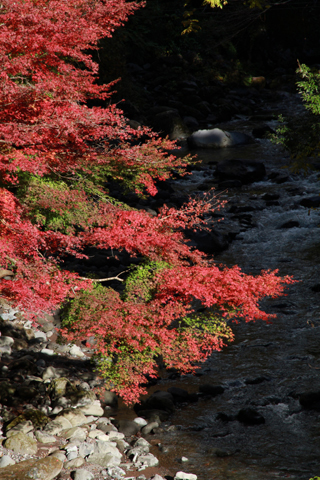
x=6 y=341
x=149 y=460
x=115 y=435
x=216 y=138
x=47 y=351
x=103 y=437
x=5 y=349
x=94 y=410
x=39 y=334
x=76 y=351
x=5 y=461
x=185 y=476
x=140 y=421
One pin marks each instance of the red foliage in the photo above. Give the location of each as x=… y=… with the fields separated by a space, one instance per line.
x=56 y=154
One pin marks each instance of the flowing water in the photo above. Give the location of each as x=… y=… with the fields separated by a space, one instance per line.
x=268 y=366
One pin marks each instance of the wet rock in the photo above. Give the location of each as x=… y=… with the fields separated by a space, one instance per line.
x=127 y=427
x=170 y=123
x=208 y=242
x=179 y=394
x=316 y=288
x=290 y=224
x=311 y=202
x=154 y=415
x=110 y=399
x=212 y=390
x=246 y=171
x=225 y=417
x=217 y=138
x=22 y=443
x=310 y=400
x=45 y=469
x=159 y=400
x=256 y=381
x=264 y=131
x=250 y=416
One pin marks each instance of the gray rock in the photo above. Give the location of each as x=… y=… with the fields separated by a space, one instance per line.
x=216 y=138
x=94 y=409
x=44 y=437
x=6 y=341
x=60 y=455
x=75 y=417
x=56 y=426
x=22 y=427
x=45 y=469
x=148 y=428
x=75 y=433
x=86 y=449
x=105 y=454
x=5 y=461
x=49 y=372
x=83 y=474
x=116 y=473
x=147 y=460
x=22 y=443
x=74 y=463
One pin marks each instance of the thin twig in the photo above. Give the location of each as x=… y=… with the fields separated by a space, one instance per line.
x=108 y=279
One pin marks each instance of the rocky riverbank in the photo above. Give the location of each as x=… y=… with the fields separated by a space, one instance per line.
x=53 y=425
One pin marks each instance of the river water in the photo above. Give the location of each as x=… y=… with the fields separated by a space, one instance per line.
x=268 y=366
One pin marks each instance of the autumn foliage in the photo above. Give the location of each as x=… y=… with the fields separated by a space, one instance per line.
x=56 y=157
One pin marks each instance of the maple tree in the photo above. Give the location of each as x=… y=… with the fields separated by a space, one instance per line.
x=56 y=157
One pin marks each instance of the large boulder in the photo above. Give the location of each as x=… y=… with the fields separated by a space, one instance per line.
x=45 y=468
x=245 y=171
x=216 y=138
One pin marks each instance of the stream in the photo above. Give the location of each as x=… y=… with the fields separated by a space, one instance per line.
x=268 y=366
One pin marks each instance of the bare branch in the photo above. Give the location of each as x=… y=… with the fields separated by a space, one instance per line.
x=108 y=279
